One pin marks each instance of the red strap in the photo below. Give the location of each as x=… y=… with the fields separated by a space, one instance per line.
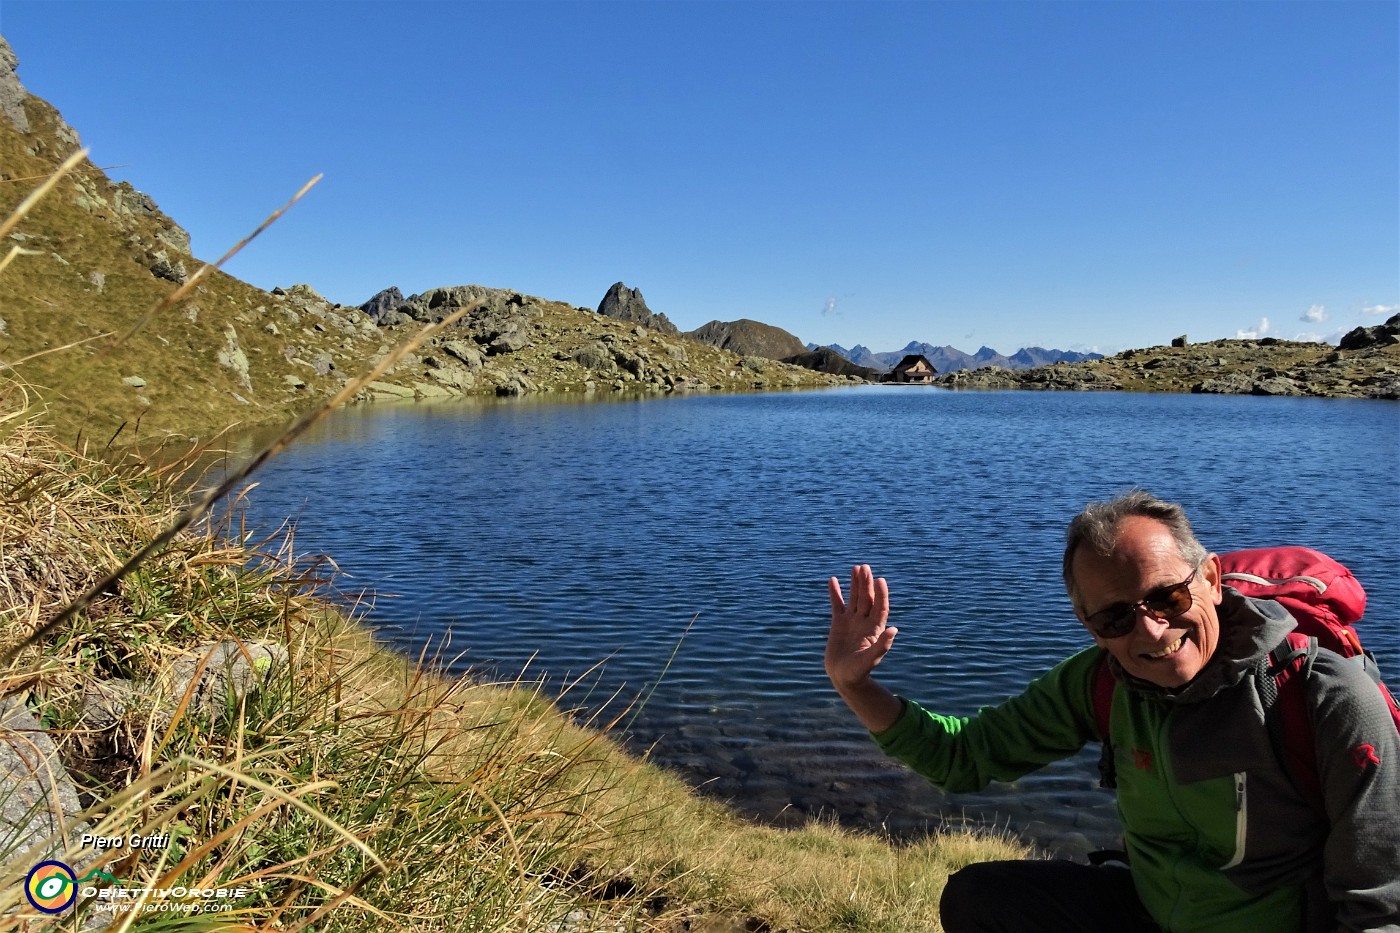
x=1293 y=723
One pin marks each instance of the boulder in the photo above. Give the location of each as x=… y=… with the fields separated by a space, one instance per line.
x=390 y=389
x=232 y=356
x=1381 y=335
x=454 y=376
x=1384 y=386
x=105 y=703
x=215 y=675
x=1276 y=385
x=514 y=384
x=593 y=356
x=428 y=390
x=39 y=804
x=163 y=268
x=508 y=342
x=1228 y=384
x=465 y=351
x=631 y=362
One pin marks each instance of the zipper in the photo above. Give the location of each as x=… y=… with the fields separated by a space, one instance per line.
x=1313 y=582
x=1241 y=821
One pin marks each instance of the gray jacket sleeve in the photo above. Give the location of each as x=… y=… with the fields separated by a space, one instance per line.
x=1358 y=758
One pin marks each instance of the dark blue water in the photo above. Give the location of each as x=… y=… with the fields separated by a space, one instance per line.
x=595 y=540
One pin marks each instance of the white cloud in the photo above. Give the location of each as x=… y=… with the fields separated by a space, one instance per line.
x=1381 y=309
x=830 y=307
x=1309 y=337
x=1314 y=315
x=1256 y=332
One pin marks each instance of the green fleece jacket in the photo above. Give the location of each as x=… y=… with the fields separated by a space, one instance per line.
x=1219 y=839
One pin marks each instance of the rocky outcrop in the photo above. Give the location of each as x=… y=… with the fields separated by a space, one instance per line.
x=627 y=304
x=12 y=93
x=749 y=338
x=1382 y=335
x=511 y=344
x=1367 y=366
x=383 y=304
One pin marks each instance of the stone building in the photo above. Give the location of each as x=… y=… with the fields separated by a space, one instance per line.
x=914 y=368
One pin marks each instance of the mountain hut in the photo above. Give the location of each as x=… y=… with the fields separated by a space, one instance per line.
x=914 y=368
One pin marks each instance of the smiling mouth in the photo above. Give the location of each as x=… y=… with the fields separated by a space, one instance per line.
x=1168 y=651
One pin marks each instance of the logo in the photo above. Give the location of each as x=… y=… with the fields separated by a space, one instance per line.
x=1142 y=759
x=51 y=887
x=1364 y=755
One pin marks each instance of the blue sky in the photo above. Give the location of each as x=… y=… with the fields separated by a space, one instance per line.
x=1075 y=175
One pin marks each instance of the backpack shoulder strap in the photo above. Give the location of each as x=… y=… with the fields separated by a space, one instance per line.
x=1102 y=695
x=1282 y=682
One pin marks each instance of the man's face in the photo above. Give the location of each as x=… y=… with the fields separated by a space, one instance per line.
x=1166 y=652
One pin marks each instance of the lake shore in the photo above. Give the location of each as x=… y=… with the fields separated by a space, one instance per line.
x=341 y=761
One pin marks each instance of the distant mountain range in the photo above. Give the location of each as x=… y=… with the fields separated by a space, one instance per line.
x=948 y=359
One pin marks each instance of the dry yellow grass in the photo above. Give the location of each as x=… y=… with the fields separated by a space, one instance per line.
x=361 y=775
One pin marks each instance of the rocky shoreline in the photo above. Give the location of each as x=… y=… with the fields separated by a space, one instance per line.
x=514 y=344
x=1365 y=365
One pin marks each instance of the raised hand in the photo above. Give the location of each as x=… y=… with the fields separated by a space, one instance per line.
x=859 y=635
x=859 y=639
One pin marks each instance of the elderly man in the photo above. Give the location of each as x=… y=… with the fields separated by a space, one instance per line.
x=1218 y=835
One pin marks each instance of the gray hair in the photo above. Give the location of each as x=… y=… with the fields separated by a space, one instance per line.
x=1100 y=522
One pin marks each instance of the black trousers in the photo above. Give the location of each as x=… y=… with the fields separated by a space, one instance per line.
x=1043 y=897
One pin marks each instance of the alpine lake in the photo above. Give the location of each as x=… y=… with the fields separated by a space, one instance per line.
x=664 y=560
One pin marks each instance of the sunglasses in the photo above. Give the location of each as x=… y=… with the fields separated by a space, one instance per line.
x=1166 y=602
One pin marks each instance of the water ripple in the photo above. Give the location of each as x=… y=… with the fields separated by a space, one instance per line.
x=572 y=536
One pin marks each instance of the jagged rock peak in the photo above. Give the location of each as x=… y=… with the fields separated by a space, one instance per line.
x=12 y=93
x=384 y=302
x=627 y=304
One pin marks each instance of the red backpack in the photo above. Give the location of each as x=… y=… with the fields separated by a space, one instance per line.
x=1327 y=601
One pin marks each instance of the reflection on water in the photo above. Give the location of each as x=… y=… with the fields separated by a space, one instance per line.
x=564 y=536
